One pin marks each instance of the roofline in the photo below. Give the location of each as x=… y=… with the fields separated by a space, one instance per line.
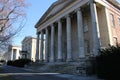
x=115 y=3
x=31 y=37
x=49 y=9
x=14 y=46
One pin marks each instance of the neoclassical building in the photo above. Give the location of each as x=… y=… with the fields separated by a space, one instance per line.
x=76 y=29
x=13 y=53
x=28 y=48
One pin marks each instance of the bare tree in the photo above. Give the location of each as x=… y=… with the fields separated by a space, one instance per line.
x=12 y=19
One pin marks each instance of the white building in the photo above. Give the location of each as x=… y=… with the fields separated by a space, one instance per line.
x=77 y=29
x=13 y=53
x=29 y=48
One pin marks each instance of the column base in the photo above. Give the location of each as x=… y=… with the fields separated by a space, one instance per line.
x=46 y=61
x=37 y=60
x=41 y=61
x=60 y=60
x=69 y=60
x=82 y=59
x=51 y=60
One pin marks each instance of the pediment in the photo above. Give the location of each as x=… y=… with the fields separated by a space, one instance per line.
x=54 y=9
x=57 y=8
x=26 y=38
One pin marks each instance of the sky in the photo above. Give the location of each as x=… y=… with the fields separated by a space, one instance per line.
x=34 y=13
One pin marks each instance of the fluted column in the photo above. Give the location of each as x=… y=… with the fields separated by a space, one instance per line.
x=95 y=28
x=80 y=34
x=52 y=43
x=46 y=45
x=59 y=40
x=69 y=47
x=41 y=46
x=37 y=47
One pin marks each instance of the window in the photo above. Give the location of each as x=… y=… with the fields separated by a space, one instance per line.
x=85 y=25
x=14 y=53
x=87 y=47
x=119 y=22
x=115 y=41
x=112 y=20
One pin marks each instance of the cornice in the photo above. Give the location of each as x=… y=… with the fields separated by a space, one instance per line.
x=42 y=19
x=115 y=3
x=28 y=38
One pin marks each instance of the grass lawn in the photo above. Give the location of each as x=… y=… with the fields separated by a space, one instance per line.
x=5 y=77
x=1 y=69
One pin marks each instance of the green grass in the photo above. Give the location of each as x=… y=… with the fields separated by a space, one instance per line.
x=6 y=77
x=1 y=70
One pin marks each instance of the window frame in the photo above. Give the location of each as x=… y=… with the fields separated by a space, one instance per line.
x=85 y=25
x=115 y=40
x=119 y=21
x=112 y=20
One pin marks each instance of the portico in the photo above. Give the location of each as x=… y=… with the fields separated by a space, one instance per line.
x=65 y=35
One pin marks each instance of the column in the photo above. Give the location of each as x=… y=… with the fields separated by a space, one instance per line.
x=80 y=34
x=95 y=28
x=46 y=45
x=59 y=40
x=41 y=46
x=37 y=47
x=11 y=54
x=52 y=44
x=69 y=47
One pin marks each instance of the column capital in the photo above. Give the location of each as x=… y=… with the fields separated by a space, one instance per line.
x=46 y=28
x=51 y=25
x=92 y=1
x=78 y=9
x=59 y=20
x=41 y=30
x=38 y=33
x=68 y=15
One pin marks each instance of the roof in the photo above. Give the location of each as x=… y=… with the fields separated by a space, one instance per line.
x=28 y=37
x=55 y=5
x=48 y=14
x=115 y=3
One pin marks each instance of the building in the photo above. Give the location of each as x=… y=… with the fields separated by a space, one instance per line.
x=77 y=29
x=13 y=53
x=29 y=48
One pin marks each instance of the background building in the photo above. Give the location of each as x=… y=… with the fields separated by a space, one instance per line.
x=29 y=48
x=77 y=29
x=13 y=53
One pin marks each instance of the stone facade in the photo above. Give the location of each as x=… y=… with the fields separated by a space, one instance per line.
x=76 y=29
x=28 y=48
x=13 y=53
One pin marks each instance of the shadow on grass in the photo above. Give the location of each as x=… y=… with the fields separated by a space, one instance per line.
x=6 y=77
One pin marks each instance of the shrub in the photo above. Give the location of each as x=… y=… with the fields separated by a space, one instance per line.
x=2 y=61
x=9 y=62
x=108 y=63
x=19 y=63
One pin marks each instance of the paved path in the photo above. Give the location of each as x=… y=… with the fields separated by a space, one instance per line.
x=21 y=74
x=27 y=74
